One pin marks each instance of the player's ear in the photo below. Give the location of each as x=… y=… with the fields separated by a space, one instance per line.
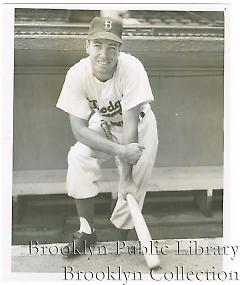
x=87 y=46
x=119 y=49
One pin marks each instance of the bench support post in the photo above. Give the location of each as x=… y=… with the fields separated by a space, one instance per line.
x=203 y=200
x=17 y=206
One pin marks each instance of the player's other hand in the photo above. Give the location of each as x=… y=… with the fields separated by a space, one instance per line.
x=132 y=152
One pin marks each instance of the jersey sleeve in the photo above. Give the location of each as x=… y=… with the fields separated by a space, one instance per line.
x=135 y=85
x=73 y=99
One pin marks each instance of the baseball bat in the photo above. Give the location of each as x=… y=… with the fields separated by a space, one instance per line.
x=106 y=128
x=142 y=231
x=137 y=217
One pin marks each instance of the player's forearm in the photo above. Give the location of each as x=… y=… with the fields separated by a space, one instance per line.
x=130 y=135
x=94 y=140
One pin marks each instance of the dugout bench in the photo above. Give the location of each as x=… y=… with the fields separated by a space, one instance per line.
x=203 y=180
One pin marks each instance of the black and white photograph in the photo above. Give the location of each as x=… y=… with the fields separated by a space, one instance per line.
x=117 y=145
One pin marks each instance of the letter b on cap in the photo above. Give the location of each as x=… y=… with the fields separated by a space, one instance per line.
x=108 y=24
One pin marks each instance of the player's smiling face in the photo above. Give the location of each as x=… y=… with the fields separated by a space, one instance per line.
x=103 y=54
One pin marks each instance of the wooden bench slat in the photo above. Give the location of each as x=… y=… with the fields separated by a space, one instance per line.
x=163 y=179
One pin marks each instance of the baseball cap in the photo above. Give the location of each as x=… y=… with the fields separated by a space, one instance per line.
x=105 y=28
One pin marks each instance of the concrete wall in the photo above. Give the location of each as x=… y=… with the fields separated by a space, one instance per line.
x=189 y=111
x=188 y=106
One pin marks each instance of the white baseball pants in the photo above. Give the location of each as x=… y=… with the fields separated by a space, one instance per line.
x=84 y=167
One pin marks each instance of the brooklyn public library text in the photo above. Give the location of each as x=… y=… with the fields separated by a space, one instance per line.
x=189 y=247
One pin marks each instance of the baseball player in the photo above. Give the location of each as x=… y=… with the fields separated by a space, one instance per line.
x=107 y=96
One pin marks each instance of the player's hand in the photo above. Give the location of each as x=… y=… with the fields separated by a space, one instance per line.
x=127 y=187
x=131 y=153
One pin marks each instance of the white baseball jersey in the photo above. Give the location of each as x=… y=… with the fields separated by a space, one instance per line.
x=82 y=92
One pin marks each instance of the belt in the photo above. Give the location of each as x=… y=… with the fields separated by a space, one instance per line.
x=120 y=123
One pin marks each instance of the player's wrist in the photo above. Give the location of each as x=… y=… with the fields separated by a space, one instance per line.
x=120 y=151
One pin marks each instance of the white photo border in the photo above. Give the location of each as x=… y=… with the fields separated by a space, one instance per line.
x=231 y=116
